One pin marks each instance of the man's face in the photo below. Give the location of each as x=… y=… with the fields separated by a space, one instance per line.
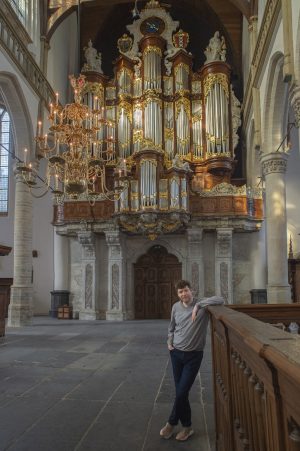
x=185 y=295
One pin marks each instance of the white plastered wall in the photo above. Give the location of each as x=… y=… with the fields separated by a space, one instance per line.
x=63 y=57
x=63 y=49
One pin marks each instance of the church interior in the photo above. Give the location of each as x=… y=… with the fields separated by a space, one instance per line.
x=144 y=142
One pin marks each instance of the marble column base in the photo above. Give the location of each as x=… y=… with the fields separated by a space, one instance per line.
x=115 y=315
x=88 y=315
x=20 y=310
x=279 y=294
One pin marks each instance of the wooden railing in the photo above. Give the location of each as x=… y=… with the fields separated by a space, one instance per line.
x=256 y=371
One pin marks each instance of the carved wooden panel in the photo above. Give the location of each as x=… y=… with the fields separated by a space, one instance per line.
x=5 y=284
x=155 y=275
x=76 y=211
x=164 y=299
x=219 y=205
x=224 y=205
x=294 y=278
x=139 y=301
x=256 y=370
x=151 y=300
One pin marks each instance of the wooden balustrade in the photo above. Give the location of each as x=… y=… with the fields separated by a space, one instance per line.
x=256 y=370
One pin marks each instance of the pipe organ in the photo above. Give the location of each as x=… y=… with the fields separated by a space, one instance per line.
x=168 y=127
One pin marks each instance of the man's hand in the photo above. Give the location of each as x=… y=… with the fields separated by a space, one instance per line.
x=170 y=347
x=194 y=313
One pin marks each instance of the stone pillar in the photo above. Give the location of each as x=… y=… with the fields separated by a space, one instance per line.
x=61 y=262
x=274 y=168
x=88 y=308
x=223 y=264
x=258 y=258
x=116 y=277
x=195 y=270
x=20 y=310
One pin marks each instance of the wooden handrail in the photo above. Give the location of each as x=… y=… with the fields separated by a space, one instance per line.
x=271 y=313
x=256 y=370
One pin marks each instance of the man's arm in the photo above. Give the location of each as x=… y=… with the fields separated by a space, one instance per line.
x=214 y=300
x=171 y=329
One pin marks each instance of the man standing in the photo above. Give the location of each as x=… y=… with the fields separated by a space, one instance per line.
x=186 y=341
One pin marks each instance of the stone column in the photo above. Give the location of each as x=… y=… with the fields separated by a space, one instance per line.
x=20 y=310
x=60 y=293
x=195 y=268
x=88 y=309
x=223 y=264
x=61 y=262
x=274 y=168
x=116 y=277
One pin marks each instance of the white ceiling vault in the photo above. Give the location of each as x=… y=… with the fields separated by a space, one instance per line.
x=59 y=8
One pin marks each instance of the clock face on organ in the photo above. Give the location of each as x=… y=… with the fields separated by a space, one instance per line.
x=152 y=25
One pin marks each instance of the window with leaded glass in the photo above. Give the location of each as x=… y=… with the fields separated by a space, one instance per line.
x=4 y=160
x=21 y=9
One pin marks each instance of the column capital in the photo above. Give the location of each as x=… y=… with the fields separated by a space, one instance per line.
x=113 y=237
x=86 y=238
x=274 y=162
x=194 y=235
x=252 y=22
x=224 y=242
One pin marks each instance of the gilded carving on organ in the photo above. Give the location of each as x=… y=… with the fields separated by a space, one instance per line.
x=161 y=121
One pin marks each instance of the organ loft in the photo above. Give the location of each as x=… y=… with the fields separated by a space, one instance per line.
x=142 y=164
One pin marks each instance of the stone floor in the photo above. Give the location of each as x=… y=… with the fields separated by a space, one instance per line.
x=73 y=385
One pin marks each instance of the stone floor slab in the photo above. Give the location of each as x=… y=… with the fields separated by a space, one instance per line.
x=94 y=385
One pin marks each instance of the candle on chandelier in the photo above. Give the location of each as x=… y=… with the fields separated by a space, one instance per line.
x=95 y=106
x=29 y=176
x=39 y=128
x=56 y=98
x=25 y=156
x=51 y=109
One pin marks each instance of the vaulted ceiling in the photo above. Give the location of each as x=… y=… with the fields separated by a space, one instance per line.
x=104 y=21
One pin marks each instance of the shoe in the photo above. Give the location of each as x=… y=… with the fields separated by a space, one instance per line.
x=183 y=435
x=167 y=431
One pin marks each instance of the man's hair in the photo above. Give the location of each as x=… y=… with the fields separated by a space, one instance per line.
x=182 y=284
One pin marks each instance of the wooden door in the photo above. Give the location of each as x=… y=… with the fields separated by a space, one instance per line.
x=155 y=275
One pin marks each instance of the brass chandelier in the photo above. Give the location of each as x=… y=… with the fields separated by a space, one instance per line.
x=78 y=149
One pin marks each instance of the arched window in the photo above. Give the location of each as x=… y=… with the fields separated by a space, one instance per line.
x=5 y=141
x=27 y=12
x=21 y=8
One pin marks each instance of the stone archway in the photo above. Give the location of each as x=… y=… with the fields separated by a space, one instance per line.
x=155 y=274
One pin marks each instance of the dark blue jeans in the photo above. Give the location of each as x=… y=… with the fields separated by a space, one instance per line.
x=185 y=369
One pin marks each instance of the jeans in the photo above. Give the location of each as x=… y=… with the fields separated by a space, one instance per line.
x=185 y=365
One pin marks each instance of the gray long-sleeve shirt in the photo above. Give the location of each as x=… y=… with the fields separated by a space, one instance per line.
x=183 y=333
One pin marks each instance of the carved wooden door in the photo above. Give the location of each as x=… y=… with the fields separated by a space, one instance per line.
x=155 y=275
